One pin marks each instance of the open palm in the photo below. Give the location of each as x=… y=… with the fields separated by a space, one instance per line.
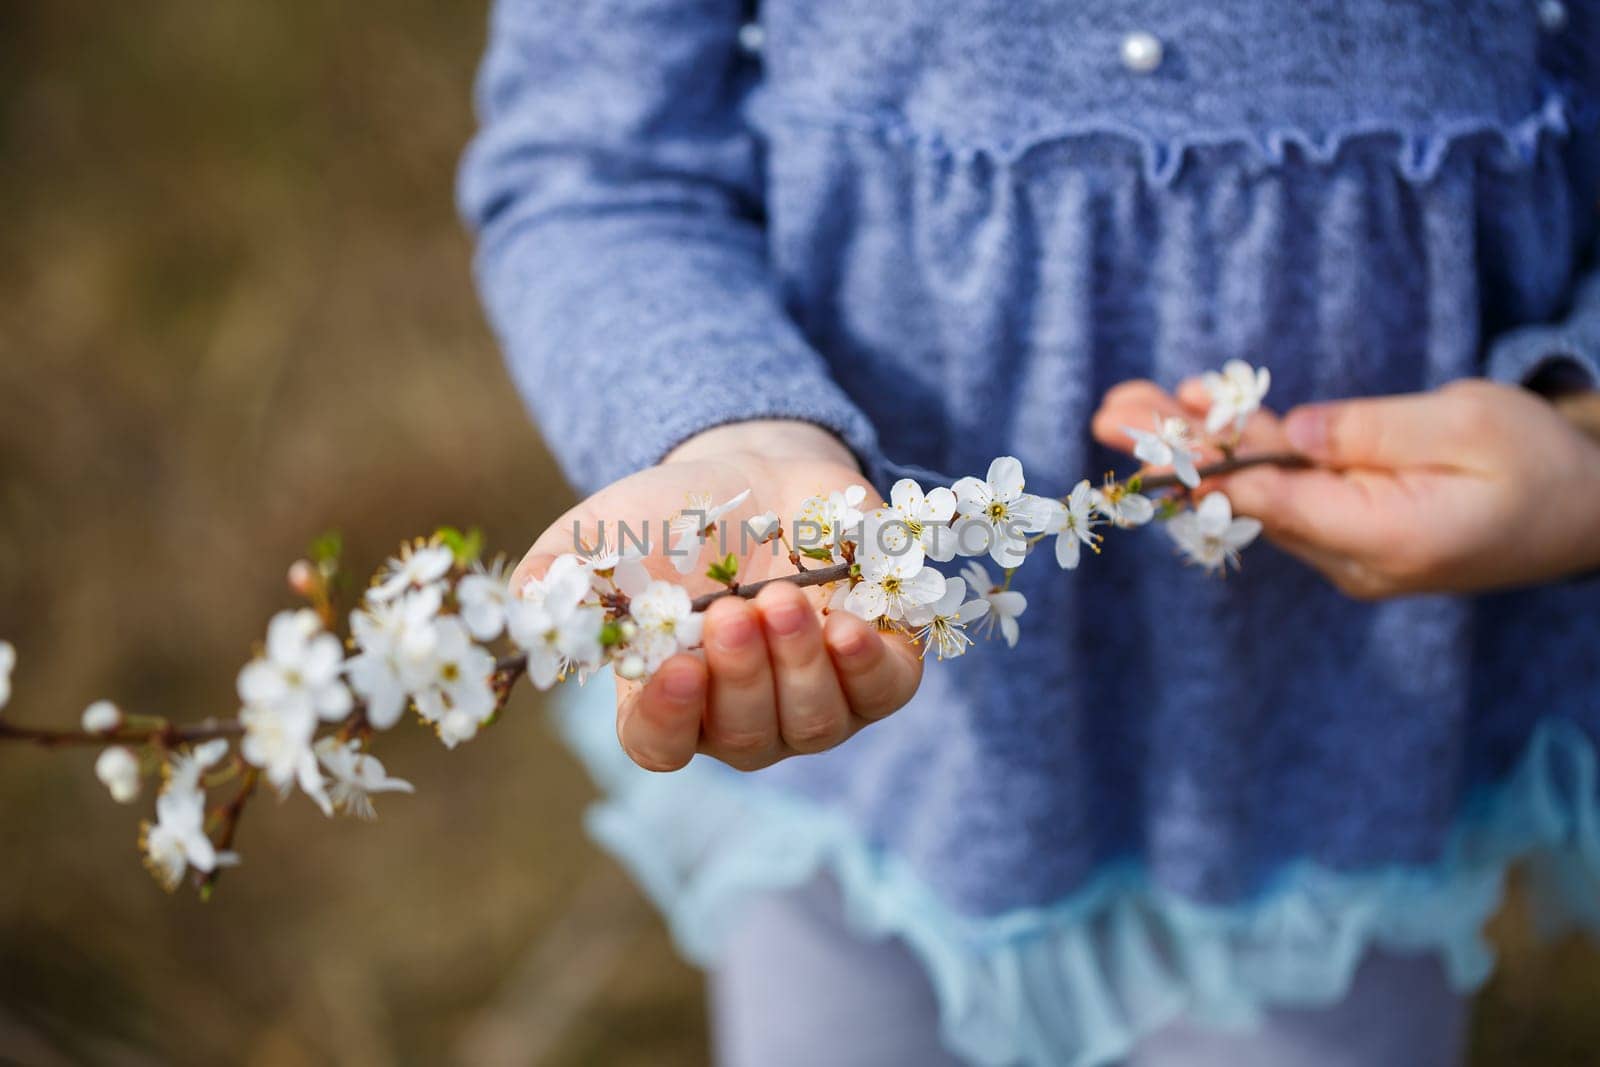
x=775 y=679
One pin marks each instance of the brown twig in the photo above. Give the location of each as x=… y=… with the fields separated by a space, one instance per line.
x=819 y=576
x=840 y=571
x=1227 y=466
x=509 y=670
x=228 y=827
x=165 y=734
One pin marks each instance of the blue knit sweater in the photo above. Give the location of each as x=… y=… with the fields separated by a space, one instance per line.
x=942 y=229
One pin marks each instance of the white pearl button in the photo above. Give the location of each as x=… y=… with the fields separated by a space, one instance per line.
x=752 y=37
x=1552 y=15
x=1141 y=52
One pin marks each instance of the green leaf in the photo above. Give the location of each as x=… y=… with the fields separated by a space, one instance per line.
x=1135 y=483
x=725 y=570
x=610 y=634
x=1167 y=508
x=466 y=547
x=326 y=548
x=821 y=554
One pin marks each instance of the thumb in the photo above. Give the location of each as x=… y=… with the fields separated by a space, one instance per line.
x=533 y=565
x=1415 y=429
x=567 y=534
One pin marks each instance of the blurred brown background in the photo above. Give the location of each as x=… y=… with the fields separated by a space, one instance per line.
x=236 y=310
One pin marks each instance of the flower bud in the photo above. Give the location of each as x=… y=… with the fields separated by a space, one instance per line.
x=457 y=726
x=8 y=660
x=118 y=770
x=631 y=667
x=766 y=526
x=101 y=717
x=303 y=578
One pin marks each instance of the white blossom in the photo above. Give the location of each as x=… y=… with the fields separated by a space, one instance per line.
x=8 y=663
x=1210 y=535
x=186 y=766
x=893 y=587
x=1005 y=605
x=1123 y=507
x=1073 y=523
x=460 y=674
x=484 y=596
x=1168 y=446
x=618 y=567
x=694 y=524
x=765 y=527
x=118 y=770
x=457 y=725
x=667 y=624
x=556 y=626
x=557 y=635
x=943 y=624
x=914 y=522
x=278 y=740
x=101 y=717
x=567 y=581
x=395 y=642
x=1236 y=394
x=999 y=515
x=356 y=777
x=178 y=841
x=416 y=567
x=826 y=522
x=300 y=670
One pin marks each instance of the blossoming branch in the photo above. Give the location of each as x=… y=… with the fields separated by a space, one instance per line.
x=445 y=636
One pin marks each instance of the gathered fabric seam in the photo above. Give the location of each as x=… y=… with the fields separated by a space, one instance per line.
x=1419 y=157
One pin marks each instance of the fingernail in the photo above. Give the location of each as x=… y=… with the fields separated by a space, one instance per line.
x=681 y=685
x=1307 y=429
x=735 y=630
x=785 y=619
x=851 y=643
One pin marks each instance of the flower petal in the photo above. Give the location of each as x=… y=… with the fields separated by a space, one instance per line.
x=1005 y=477
x=939 y=505
x=972 y=496
x=907 y=498
x=1068 y=551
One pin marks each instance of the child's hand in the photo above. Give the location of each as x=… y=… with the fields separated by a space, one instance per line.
x=775 y=680
x=1472 y=486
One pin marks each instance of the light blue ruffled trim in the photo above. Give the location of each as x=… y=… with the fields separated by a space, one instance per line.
x=1418 y=156
x=1080 y=982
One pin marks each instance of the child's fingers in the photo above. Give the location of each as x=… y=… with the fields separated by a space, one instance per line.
x=878 y=673
x=1133 y=392
x=533 y=565
x=659 y=724
x=1263 y=431
x=1439 y=429
x=741 y=721
x=812 y=714
x=1345 y=515
x=1137 y=404
x=556 y=539
x=1263 y=434
x=1193 y=396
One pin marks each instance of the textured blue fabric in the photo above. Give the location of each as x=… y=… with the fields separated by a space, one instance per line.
x=1081 y=982
x=1573 y=344
x=943 y=230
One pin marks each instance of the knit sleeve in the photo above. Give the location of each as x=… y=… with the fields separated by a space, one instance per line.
x=616 y=195
x=1558 y=356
